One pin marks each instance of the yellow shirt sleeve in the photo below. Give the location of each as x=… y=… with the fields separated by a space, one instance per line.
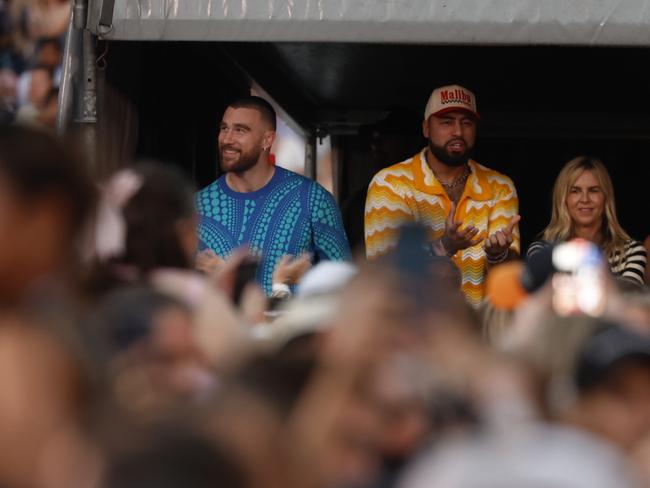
x=387 y=210
x=505 y=208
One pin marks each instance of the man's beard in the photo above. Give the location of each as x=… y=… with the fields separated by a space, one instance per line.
x=448 y=159
x=245 y=161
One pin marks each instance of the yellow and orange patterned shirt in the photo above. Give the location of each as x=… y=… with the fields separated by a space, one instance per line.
x=409 y=192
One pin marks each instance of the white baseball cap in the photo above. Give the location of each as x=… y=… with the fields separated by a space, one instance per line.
x=449 y=98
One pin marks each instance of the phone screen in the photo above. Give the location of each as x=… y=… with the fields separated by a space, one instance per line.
x=579 y=283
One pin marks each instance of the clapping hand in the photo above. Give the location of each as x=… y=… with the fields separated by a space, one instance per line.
x=456 y=238
x=499 y=242
x=208 y=262
x=290 y=269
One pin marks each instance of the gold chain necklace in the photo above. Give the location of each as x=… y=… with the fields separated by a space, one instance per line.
x=461 y=179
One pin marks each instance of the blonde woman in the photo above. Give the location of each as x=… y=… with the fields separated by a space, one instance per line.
x=584 y=206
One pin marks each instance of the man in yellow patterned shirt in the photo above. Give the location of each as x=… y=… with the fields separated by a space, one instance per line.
x=469 y=210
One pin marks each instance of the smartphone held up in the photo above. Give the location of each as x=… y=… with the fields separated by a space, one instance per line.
x=580 y=278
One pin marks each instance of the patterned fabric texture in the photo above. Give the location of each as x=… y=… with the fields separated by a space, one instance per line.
x=409 y=192
x=289 y=215
x=628 y=263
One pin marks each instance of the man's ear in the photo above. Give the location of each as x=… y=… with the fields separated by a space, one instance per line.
x=425 y=128
x=268 y=139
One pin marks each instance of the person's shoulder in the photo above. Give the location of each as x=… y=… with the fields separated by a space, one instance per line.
x=541 y=243
x=491 y=175
x=632 y=246
x=284 y=176
x=214 y=186
x=307 y=186
x=403 y=168
x=285 y=173
x=398 y=172
x=537 y=246
x=633 y=243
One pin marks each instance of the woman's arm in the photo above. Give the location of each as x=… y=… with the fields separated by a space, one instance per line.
x=634 y=262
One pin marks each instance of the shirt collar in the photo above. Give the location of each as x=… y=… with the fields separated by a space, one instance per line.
x=477 y=186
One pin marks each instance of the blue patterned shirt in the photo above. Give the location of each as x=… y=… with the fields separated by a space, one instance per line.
x=291 y=214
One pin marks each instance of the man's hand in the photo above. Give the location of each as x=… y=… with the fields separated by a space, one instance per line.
x=289 y=270
x=208 y=262
x=499 y=242
x=456 y=239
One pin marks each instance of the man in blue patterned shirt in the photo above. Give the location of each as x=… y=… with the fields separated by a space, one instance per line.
x=273 y=211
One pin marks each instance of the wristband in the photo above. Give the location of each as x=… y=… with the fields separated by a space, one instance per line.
x=498 y=259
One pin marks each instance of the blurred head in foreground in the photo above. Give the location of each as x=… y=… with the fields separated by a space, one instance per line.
x=45 y=402
x=145 y=221
x=46 y=198
x=612 y=378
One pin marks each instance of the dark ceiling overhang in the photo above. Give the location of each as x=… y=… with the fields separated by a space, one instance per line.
x=522 y=91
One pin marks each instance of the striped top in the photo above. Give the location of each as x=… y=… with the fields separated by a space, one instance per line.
x=409 y=192
x=628 y=263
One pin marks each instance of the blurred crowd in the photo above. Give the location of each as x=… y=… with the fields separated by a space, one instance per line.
x=125 y=363
x=32 y=36
x=124 y=366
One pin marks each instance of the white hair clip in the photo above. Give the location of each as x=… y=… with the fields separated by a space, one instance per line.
x=109 y=236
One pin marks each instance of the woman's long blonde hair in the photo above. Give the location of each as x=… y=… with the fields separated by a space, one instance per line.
x=561 y=227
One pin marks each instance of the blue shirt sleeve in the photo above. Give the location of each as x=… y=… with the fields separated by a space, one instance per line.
x=328 y=234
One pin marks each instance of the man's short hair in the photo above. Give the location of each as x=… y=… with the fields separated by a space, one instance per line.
x=265 y=109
